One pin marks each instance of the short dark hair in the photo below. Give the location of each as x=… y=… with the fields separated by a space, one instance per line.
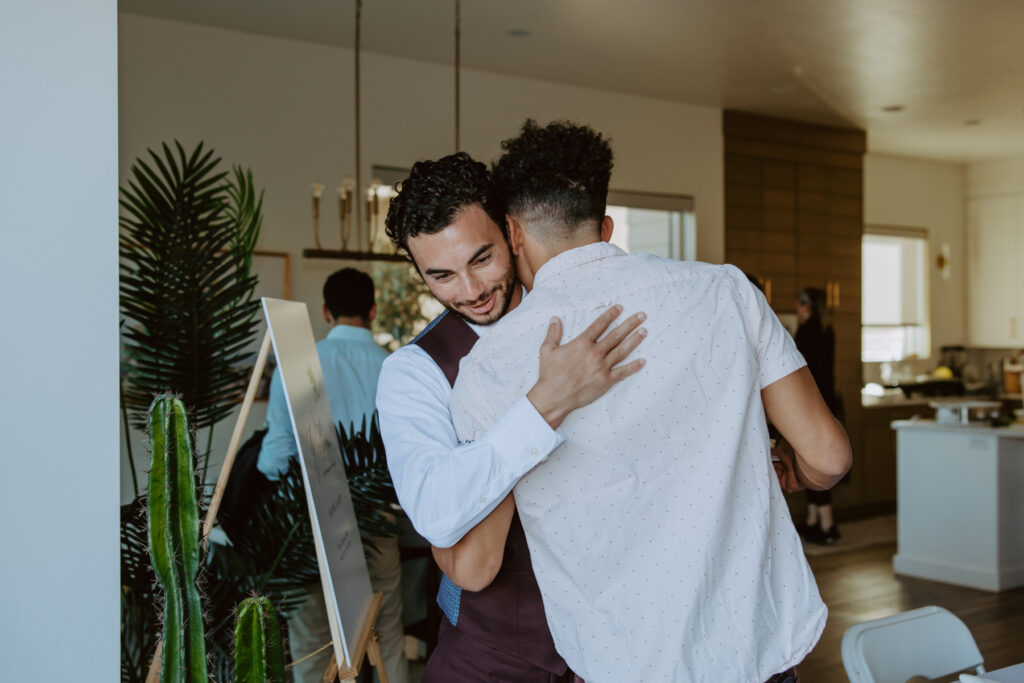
x=433 y=195
x=557 y=175
x=348 y=293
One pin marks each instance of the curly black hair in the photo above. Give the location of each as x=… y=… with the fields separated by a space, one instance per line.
x=556 y=176
x=435 y=192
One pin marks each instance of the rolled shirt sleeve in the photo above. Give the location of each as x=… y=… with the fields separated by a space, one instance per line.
x=446 y=488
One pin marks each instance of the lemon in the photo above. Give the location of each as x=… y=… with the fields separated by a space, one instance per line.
x=942 y=372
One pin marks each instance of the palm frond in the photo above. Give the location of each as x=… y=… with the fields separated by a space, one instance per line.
x=187 y=236
x=373 y=492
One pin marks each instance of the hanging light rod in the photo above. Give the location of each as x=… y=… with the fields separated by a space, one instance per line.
x=458 y=55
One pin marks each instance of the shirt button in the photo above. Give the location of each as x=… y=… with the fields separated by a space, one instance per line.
x=533 y=450
x=482 y=500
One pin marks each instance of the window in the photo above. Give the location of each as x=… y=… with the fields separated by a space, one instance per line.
x=894 y=301
x=662 y=225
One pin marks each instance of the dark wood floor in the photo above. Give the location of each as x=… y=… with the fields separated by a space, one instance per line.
x=860 y=585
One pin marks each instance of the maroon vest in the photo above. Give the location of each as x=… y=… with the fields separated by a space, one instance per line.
x=508 y=615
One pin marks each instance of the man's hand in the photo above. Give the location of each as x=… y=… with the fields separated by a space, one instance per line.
x=577 y=373
x=820 y=445
x=784 y=463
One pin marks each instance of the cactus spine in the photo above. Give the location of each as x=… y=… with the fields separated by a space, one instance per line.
x=259 y=652
x=174 y=540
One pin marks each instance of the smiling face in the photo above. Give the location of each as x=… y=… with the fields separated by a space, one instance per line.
x=468 y=267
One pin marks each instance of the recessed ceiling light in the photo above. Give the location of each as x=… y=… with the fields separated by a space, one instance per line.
x=972 y=122
x=893 y=108
x=519 y=33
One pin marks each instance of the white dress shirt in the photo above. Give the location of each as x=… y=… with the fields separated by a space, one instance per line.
x=658 y=532
x=446 y=488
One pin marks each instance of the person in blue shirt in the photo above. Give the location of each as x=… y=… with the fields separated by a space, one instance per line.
x=351 y=363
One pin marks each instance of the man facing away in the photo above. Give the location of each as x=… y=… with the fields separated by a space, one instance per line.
x=351 y=363
x=660 y=539
x=444 y=217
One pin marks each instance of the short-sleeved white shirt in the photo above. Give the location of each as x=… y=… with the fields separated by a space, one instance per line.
x=658 y=531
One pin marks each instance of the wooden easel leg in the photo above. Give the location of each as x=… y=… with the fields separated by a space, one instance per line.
x=373 y=652
x=366 y=646
x=236 y=436
x=331 y=675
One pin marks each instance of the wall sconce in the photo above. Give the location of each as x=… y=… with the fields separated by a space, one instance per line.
x=942 y=260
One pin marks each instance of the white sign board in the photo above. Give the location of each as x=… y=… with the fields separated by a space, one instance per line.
x=339 y=551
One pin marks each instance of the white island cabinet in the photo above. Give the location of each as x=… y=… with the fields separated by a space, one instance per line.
x=960 y=501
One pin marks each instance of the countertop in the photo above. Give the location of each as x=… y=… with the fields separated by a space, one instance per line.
x=899 y=400
x=1014 y=431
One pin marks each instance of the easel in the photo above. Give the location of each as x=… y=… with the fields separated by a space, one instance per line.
x=366 y=644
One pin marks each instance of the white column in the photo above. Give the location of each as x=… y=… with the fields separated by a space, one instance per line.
x=59 y=577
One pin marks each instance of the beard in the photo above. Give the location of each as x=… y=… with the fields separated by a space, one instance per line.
x=502 y=291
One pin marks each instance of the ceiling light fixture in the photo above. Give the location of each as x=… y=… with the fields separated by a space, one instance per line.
x=519 y=33
x=893 y=108
x=458 y=54
x=367 y=223
x=972 y=122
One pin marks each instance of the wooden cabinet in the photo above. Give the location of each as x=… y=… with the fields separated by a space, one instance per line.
x=875 y=464
x=794 y=219
x=995 y=271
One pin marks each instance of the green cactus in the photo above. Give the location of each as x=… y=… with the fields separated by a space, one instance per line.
x=259 y=653
x=174 y=540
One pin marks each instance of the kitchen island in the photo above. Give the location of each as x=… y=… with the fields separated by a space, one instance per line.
x=960 y=503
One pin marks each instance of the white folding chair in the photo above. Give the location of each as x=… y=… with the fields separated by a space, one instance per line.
x=929 y=642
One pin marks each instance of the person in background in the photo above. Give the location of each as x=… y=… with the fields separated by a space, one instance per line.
x=816 y=340
x=351 y=363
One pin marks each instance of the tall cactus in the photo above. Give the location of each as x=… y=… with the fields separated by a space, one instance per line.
x=174 y=540
x=259 y=652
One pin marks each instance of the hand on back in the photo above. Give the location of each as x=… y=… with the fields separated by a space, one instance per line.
x=577 y=373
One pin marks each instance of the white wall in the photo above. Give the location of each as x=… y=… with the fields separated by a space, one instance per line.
x=925 y=194
x=999 y=177
x=59 y=577
x=285 y=109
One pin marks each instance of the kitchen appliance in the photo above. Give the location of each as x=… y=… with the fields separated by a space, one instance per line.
x=953 y=357
x=1011 y=378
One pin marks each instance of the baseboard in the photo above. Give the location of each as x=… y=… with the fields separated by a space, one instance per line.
x=960 y=575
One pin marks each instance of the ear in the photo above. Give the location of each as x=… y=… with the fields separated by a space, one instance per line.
x=327 y=315
x=607 y=225
x=372 y=314
x=516 y=235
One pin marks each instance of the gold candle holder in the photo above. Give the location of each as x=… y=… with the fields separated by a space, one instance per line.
x=372 y=211
x=318 y=189
x=345 y=193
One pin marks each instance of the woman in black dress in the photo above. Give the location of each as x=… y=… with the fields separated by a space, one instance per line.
x=816 y=340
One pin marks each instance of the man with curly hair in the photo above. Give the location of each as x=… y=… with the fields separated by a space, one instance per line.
x=445 y=218
x=660 y=539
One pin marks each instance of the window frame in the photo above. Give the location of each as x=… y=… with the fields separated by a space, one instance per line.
x=924 y=352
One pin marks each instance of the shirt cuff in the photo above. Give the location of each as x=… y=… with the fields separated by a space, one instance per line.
x=523 y=438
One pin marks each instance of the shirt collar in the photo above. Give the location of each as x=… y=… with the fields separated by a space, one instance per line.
x=575 y=257
x=349 y=333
